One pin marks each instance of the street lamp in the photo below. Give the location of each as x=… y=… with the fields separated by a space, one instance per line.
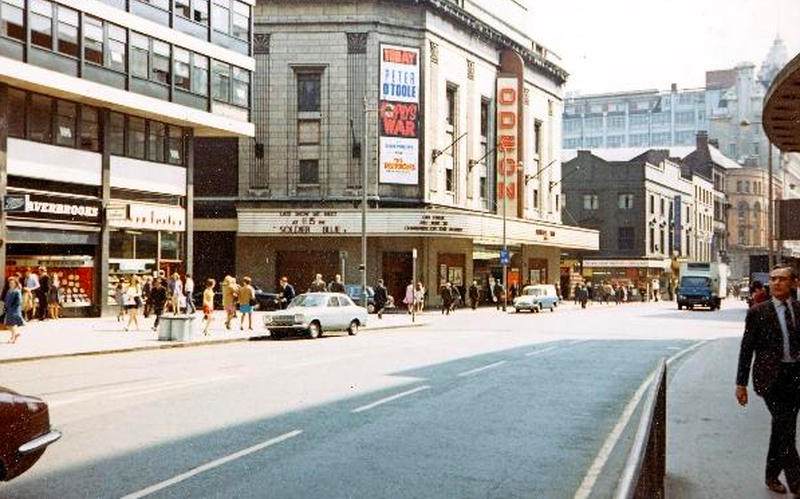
x=363 y=266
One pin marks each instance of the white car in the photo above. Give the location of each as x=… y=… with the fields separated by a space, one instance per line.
x=537 y=297
x=315 y=314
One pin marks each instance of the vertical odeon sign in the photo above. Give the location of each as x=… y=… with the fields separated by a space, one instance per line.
x=507 y=142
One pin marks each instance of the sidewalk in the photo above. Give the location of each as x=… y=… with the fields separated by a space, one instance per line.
x=71 y=337
x=715 y=448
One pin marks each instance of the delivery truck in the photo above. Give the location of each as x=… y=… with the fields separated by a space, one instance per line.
x=702 y=284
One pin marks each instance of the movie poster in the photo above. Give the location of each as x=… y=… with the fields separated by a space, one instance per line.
x=398 y=115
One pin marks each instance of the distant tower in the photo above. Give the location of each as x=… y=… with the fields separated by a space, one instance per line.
x=775 y=61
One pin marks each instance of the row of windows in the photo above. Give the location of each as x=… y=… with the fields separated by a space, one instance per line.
x=104 y=44
x=592 y=202
x=230 y=18
x=59 y=122
x=743 y=187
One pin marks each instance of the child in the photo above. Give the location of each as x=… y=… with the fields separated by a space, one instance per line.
x=208 y=305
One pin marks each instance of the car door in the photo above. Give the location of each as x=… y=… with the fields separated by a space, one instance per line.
x=334 y=314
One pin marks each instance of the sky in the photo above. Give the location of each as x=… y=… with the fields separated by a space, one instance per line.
x=620 y=45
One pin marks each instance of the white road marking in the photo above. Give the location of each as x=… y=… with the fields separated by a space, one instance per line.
x=484 y=368
x=539 y=352
x=390 y=399
x=578 y=342
x=589 y=481
x=211 y=465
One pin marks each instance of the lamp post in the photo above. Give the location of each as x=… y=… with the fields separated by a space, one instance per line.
x=363 y=266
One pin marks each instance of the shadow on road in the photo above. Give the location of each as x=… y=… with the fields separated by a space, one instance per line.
x=527 y=428
x=722 y=315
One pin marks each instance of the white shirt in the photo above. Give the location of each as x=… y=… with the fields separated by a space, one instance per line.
x=189 y=285
x=780 y=310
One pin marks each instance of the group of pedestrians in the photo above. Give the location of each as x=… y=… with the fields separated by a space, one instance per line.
x=29 y=296
x=148 y=295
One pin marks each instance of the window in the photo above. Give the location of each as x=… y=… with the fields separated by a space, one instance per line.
x=241 y=20
x=662 y=207
x=616 y=122
x=652 y=205
x=572 y=143
x=449 y=178
x=16 y=113
x=161 y=57
x=747 y=186
x=638 y=120
x=591 y=202
x=661 y=246
x=93 y=40
x=652 y=240
x=309 y=171
x=200 y=75
x=484 y=118
x=66 y=123
x=572 y=125
x=625 y=238
x=615 y=140
x=638 y=140
x=220 y=81
x=593 y=123
x=12 y=22
x=661 y=118
x=175 y=145
x=537 y=138
x=200 y=14
x=684 y=118
x=484 y=186
x=593 y=142
x=183 y=8
x=626 y=201
x=140 y=56
x=661 y=139
x=136 y=137
x=67 y=31
x=451 y=105
x=739 y=186
x=221 y=16
x=241 y=87
x=159 y=4
x=117 y=43
x=41 y=119
x=308 y=92
x=116 y=134
x=41 y=19
x=156 y=141
x=90 y=129
x=182 y=69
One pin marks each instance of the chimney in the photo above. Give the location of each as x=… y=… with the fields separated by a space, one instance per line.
x=702 y=140
x=714 y=142
x=674 y=88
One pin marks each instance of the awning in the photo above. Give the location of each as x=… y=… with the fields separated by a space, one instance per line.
x=781 y=116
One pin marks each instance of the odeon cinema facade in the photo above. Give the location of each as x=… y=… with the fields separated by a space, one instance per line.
x=461 y=138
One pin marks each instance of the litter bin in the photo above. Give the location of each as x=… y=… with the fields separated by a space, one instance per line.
x=176 y=328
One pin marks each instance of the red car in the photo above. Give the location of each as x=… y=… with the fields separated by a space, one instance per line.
x=25 y=432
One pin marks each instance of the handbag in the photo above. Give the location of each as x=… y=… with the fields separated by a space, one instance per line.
x=252 y=302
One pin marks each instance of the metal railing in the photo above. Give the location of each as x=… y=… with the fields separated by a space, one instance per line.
x=644 y=472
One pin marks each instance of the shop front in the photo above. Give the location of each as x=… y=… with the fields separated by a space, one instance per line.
x=637 y=273
x=60 y=233
x=144 y=239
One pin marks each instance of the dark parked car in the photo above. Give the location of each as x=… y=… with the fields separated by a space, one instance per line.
x=264 y=300
x=25 y=432
x=354 y=292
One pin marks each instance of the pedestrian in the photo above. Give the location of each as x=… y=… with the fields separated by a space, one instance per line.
x=286 y=292
x=158 y=299
x=188 y=291
x=617 y=293
x=446 y=296
x=13 y=309
x=317 y=285
x=513 y=291
x=474 y=295
x=772 y=336
x=409 y=298
x=54 y=297
x=147 y=286
x=380 y=298
x=583 y=296
x=30 y=287
x=247 y=300
x=176 y=296
x=229 y=296
x=43 y=293
x=758 y=294
x=133 y=302
x=420 y=293
x=208 y=305
x=498 y=293
x=656 y=290
x=336 y=285
x=119 y=299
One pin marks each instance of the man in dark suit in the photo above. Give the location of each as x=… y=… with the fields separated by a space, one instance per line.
x=772 y=335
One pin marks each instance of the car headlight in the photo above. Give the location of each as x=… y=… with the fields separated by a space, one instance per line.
x=299 y=318
x=267 y=319
x=681 y=297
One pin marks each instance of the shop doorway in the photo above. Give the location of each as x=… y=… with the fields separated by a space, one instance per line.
x=396 y=273
x=302 y=266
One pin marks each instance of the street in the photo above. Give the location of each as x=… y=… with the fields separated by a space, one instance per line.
x=477 y=404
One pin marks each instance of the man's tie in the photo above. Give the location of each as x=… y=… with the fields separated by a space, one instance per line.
x=791 y=328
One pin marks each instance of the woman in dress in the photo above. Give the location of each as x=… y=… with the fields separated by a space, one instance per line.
x=208 y=305
x=133 y=302
x=408 y=299
x=13 y=309
x=54 y=297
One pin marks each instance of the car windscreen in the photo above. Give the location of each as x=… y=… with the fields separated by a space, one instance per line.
x=692 y=281
x=532 y=292
x=308 y=301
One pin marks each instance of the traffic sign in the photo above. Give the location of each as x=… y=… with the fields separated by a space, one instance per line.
x=505 y=258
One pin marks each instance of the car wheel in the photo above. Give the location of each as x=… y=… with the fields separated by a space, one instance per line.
x=516 y=310
x=314 y=330
x=370 y=308
x=276 y=335
x=353 y=329
x=680 y=307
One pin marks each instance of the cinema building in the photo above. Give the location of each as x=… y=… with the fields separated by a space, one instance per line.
x=100 y=103
x=444 y=83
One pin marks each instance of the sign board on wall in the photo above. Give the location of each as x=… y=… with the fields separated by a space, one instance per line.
x=508 y=146
x=55 y=208
x=147 y=216
x=398 y=115
x=677 y=235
